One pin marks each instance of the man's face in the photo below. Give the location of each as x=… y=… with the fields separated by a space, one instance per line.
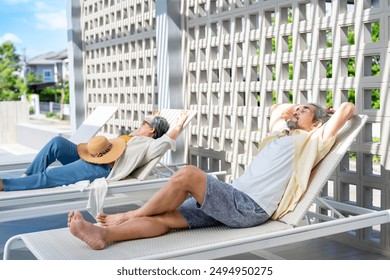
x=302 y=118
x=144 y=130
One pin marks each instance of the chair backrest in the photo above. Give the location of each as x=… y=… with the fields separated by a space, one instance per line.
x=322 y=172
x=93 y=123
x=143 y=171
x=172 y=114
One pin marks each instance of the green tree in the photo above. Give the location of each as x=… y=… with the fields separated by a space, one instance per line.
x=375 y=97
x=55 y=94
x=12 y=86
x=31 y=78
x=375 y=31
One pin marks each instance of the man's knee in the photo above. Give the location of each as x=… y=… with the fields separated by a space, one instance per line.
x=189 y=172
x=187 y=177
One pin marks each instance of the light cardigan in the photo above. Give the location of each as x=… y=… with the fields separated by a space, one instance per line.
x=309 y=148
x=139 y=151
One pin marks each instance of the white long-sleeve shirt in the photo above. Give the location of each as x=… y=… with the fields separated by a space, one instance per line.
x=139 y=151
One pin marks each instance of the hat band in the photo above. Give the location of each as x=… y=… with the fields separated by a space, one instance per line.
x=102 y=153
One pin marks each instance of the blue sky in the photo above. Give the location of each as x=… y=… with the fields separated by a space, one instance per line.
x=35 y=27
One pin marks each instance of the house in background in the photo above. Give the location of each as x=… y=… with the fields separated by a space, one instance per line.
x=53 y=70
x=52 y=67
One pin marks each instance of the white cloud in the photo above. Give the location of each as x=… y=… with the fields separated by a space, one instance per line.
x=10 y=37
x=17 y=1
x=43 y=7
x=49 y=16
x=51 y=20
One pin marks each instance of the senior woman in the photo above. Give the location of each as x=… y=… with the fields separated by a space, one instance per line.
x=100 y=157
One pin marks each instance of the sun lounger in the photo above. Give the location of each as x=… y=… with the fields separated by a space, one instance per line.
x=19 y=162
x=141 y=184
x=93 y=124
x=11 y=161
x=215 y=242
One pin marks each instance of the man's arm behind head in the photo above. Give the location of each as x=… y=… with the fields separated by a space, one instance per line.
x=280 y=113
x=344 y=113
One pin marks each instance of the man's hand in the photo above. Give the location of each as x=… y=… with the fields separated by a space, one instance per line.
x=330 y=110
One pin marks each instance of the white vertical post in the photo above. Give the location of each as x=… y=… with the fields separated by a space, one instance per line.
x=169 y=63
x=75 y=54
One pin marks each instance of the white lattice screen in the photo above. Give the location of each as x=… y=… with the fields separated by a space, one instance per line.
x=242 y=56
x=120 y=59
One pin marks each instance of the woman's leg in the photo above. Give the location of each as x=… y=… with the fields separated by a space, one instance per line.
x=57 y=148
x=57 y=176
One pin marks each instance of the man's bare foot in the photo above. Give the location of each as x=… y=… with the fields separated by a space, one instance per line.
x=113 y=219
x=92 y=235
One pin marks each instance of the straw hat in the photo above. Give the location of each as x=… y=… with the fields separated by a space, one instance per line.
x=101 y=150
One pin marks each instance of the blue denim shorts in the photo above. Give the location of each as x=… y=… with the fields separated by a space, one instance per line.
x=223 y=205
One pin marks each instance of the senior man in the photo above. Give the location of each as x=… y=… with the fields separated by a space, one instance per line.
x=301 y=135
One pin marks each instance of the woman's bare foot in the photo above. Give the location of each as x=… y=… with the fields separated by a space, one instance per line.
x=113 y=219
x=92 y=235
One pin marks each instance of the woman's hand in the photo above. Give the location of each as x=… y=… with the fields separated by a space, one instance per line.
x=182 y=118
x=175 y=131
x=156 y=112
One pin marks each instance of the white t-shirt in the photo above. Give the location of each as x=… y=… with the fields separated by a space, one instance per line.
x=266 y=178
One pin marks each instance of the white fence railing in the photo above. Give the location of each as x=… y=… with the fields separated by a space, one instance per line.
x=54 y=108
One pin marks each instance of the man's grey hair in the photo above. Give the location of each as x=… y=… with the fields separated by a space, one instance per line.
x=160 y=125
x=320 y=114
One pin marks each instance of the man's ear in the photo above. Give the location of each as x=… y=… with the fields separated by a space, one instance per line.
x=316 y=125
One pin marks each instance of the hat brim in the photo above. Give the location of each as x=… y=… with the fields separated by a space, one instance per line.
x=118 y=147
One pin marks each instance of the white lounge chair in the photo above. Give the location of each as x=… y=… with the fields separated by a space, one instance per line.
x=43 y=202
x=215 y=242
x=86 y=130
x=93 y=123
